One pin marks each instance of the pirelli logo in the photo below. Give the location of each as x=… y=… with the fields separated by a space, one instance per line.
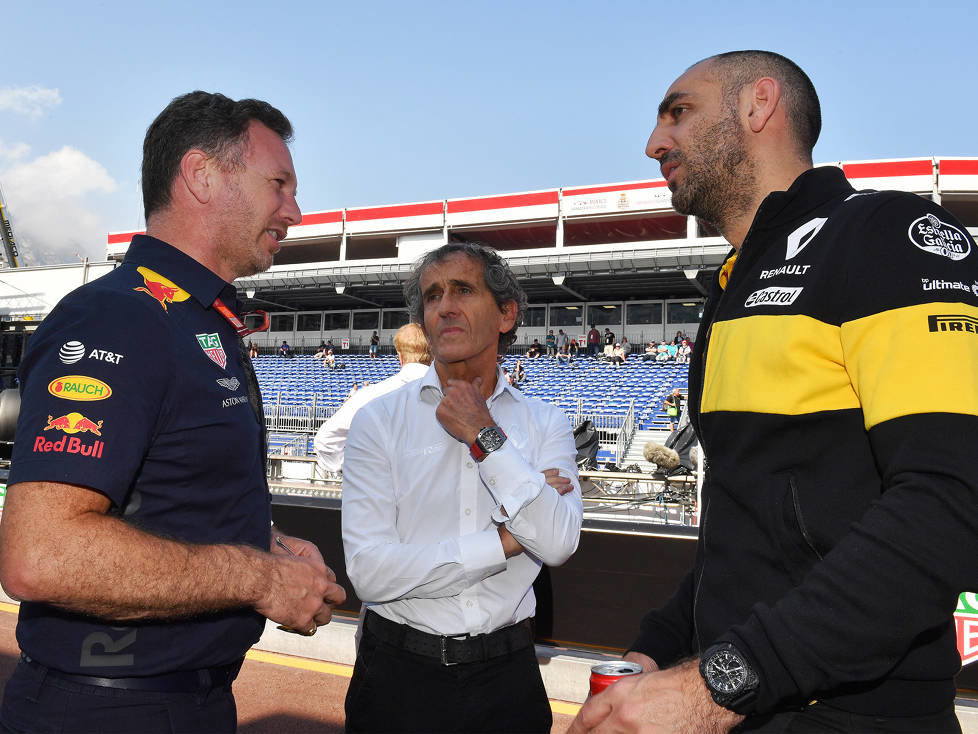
x=953 y=323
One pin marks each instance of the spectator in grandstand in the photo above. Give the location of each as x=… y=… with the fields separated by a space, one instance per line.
x=679 y=336
x=137 y=530
x=672 y=349
x=519 y=373
x=447 y=640
x=551 y=342
x=609 y=342
x=683 y=352
x=330 y=441
x=329 y=361
x=321 y=352
x=573 y=348
x=674 y=407
x=507 y=376
x=252 y=350
x=650 y=351
x=535 y=350
x=285 y=350
x=617 y=356
x=662 y=352
x=561 y=339
x=840 y=470
x=593 y=340
x=374 y=343
x=564 y=355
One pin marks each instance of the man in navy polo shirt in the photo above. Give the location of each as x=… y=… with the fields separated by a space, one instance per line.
x=137 y=529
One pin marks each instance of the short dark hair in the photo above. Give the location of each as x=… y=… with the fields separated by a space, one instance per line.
x=209 y=122
x=804 y=113
x=496 y=273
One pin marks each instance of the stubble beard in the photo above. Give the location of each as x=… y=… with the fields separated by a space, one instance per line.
x=720 y=176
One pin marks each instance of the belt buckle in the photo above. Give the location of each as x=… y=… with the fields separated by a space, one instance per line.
x=443 y=639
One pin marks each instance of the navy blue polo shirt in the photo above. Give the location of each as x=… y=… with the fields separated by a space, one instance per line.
x=134 y=387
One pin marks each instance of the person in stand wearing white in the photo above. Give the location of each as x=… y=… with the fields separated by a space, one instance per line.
x=412 y=350
x=448 y=514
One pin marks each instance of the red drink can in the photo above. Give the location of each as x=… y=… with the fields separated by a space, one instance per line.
x=604 y=674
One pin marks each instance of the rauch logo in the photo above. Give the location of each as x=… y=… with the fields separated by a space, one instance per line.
x=79 y=387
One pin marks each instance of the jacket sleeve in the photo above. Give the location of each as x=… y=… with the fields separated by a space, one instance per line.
x=892 y=581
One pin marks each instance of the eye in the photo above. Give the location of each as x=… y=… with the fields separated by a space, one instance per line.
x=678 y=111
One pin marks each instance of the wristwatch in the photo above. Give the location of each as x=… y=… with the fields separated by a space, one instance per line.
x=488 y=440
x=729 y=677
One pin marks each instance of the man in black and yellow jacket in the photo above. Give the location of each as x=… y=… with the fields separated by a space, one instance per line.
x=834 y=389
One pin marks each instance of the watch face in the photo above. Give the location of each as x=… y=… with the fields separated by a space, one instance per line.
x=725 y=672
x=490 y=439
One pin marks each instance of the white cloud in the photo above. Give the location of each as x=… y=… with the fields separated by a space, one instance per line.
x=14 y=151
x=32 y=101
x=46 y=201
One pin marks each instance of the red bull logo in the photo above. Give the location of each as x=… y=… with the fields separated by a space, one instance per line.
x=163 y=290
x=69 y=445
x=73 y=423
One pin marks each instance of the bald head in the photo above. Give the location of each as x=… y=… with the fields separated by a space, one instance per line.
x=411 y=344
x=736 y=69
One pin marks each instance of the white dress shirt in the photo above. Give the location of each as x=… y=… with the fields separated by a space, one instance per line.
x=331 y=436
x=420 y=515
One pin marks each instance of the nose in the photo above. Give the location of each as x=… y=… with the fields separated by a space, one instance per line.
x=290 y=211
x=659 y=144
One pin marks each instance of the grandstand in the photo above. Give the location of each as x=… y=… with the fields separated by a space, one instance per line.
x=300 y=393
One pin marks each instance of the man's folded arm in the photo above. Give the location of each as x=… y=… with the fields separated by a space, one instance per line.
x=381 y=566
x=545 y=522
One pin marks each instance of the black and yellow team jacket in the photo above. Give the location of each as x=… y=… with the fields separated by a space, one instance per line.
x=834 y=389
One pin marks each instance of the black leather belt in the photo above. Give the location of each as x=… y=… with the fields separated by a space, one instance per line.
x=452 y=649
x=184 y=681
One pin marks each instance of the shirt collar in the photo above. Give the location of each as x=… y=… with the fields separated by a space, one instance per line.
x=200 y=282
x=431 y=386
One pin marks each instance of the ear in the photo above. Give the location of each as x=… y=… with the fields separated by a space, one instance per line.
x=764 y=96
x=197 y=175
x=509 y=309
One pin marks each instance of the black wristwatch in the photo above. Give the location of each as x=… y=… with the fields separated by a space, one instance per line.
x=729 y=677
x=488 y=440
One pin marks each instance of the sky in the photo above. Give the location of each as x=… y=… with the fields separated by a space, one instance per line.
x=397 y=102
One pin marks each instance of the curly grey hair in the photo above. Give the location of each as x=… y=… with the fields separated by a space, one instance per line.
x=499 y=279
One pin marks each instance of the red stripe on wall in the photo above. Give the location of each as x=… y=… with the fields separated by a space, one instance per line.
x=958 y=168
x=119 y=237
x=389 y=212
x=502 y=202
x=888 y=168
x=619 y=187
x=322 y=217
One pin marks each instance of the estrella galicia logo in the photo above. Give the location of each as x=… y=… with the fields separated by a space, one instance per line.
x=952 y=322
x=774 y=296
x=930 y=234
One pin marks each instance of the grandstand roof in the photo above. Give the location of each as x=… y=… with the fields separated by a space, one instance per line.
x=614 y=242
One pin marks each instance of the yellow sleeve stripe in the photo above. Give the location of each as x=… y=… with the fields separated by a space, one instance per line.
x=916 y=359
x=780 y=364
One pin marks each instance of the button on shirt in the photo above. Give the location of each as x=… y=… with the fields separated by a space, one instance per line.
x=420 y=515
x=134 y=386
x=331 y=436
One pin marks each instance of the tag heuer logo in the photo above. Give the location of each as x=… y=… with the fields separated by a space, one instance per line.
x=211 y=344
x=930 y=234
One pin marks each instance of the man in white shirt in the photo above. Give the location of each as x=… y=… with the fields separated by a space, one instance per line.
x=448 y=514
x=412 y=350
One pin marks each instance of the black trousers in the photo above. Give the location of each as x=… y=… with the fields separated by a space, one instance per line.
x=397 y=691
x=822 y=718
x=42 y=704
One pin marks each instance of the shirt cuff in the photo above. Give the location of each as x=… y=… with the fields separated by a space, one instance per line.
x=481 y=554
x=510 y=479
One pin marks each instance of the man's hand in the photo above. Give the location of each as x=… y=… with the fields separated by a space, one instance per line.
x=648 y=664
x=673 y=700
x=562 y=484
x=302 y=590
x=463 y=411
